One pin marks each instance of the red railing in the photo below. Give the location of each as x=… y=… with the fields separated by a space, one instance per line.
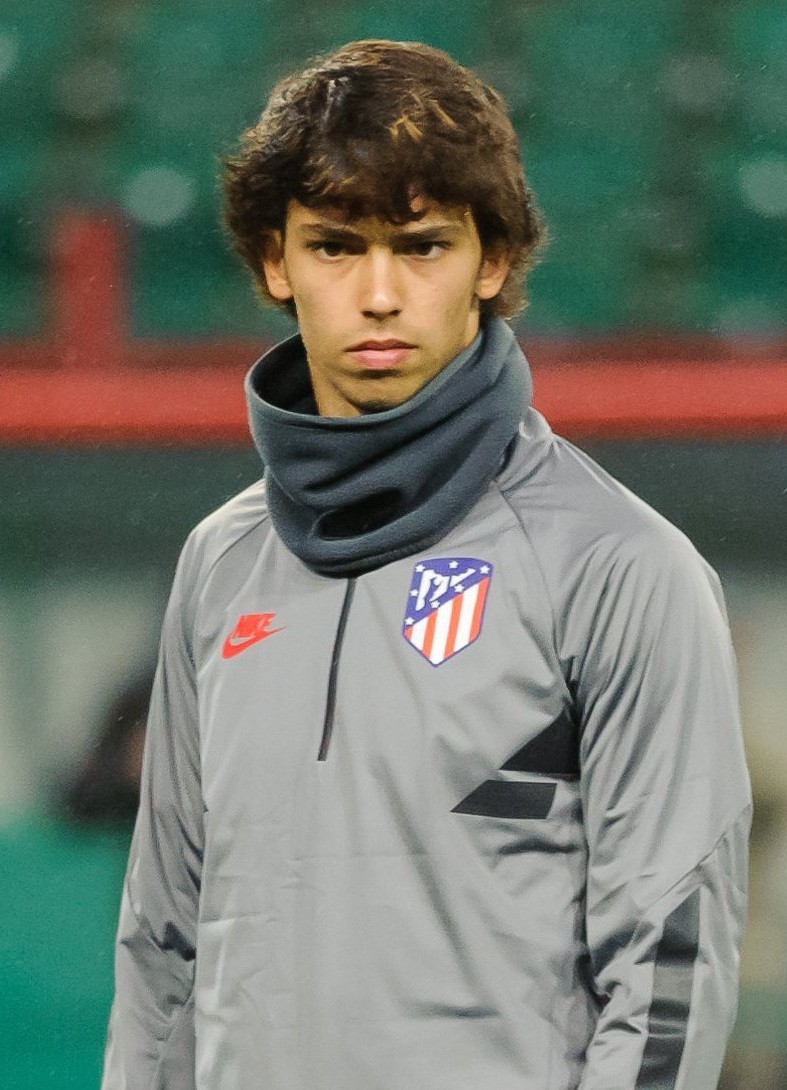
x=88 y=382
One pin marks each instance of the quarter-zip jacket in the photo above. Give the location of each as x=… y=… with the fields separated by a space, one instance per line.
x=435 y=827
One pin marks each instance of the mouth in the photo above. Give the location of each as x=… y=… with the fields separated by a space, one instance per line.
x=380 y=354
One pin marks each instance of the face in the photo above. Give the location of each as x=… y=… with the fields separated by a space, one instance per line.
x=382 y=308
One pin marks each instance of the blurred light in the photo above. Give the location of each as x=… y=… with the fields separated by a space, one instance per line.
x=92 y=89
x=763 y=184
x=178 y=111
x=158 y=196
x=698 y=84
x=199 y=49
x=767 y=101
x=9 y=51
x=751 y=314
x=118 y=23
x=669 y=227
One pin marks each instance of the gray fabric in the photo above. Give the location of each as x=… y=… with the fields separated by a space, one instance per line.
x=673 y=977
x=336 y=925
x=348 y=495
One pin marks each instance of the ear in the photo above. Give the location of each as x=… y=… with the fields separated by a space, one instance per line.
x=495 y=265
x=274 y=268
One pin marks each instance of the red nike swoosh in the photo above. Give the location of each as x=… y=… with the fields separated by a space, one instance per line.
x=250 y=629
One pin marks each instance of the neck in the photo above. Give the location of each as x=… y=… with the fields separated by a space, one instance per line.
x=347 y=495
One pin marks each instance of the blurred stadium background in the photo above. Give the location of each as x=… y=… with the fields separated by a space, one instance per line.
x=655 y=136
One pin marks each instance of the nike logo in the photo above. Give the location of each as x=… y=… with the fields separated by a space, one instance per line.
x=250 y=629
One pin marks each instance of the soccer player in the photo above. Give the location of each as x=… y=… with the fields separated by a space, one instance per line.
x=444 y=786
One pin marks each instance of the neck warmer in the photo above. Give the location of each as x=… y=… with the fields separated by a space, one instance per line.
x=349 y=495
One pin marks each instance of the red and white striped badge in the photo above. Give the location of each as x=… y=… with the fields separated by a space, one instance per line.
x=446 y=605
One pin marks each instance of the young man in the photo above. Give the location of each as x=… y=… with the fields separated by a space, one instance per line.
x=444 y=786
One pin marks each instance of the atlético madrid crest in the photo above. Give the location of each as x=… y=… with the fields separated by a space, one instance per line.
x=445 y=608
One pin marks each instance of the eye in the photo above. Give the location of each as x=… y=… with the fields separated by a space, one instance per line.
x=327 y=247
x=429 y=248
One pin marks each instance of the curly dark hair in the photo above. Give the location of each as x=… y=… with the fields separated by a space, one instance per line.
x=367 y=129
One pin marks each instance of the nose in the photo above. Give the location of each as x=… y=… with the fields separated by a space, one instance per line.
x=380 y=291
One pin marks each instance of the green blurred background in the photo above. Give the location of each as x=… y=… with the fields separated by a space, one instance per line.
x=655 y=136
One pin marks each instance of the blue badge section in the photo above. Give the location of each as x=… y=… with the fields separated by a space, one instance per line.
x=445 y=605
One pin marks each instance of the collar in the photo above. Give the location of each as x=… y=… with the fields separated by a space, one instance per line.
x=349 y=495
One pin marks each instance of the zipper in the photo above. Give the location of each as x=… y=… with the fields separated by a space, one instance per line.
x=330 y=703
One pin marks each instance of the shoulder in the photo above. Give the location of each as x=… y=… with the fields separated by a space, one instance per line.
x=226 y=533
x=242 y=514
x=574 y=510
x=591 y=535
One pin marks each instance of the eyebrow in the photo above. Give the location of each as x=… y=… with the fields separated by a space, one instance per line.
x=347 y=235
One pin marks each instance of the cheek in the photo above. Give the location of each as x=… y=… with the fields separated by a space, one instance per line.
x=322 y=319
x=453 y=287
x=313 y=306
x=320 y=296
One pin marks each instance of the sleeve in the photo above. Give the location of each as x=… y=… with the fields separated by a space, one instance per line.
x=150 y=1042
x=666 y=804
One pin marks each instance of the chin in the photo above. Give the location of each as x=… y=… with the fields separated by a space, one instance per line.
x=377 y=405
x=379 y=400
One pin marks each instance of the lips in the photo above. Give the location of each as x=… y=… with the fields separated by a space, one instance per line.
x=379 y=346
x=379 y=355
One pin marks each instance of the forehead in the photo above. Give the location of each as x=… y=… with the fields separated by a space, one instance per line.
x=430 y=215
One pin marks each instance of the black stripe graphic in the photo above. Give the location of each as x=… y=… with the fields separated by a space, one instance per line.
x=553 y=752
x=330 y=703
x=505 y=799
x=676 y=956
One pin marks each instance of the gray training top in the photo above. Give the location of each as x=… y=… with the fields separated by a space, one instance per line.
x=444 y=786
